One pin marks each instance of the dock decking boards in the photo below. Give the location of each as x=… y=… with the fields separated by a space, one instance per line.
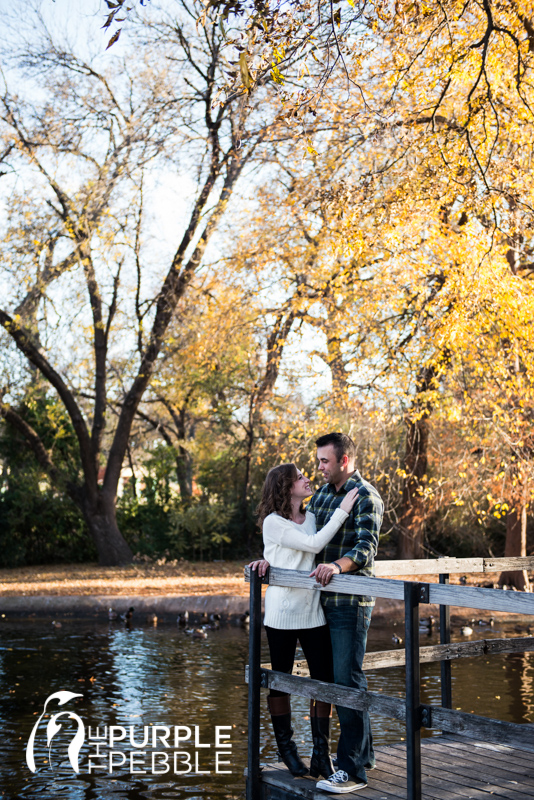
x=453 y=768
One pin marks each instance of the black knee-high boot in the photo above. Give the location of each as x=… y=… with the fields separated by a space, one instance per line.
x=320 y=763
x=280 y=709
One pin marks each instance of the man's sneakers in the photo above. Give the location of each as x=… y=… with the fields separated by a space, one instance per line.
x=340 y=783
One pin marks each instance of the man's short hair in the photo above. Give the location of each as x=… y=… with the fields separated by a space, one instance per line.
x=342 y=444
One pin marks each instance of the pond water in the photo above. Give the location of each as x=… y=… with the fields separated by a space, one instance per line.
x=143 y=677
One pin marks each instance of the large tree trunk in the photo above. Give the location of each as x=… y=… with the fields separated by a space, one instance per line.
x=101 y=518
x=411 y=525
x=184 y=473
x=412 y=516
x=516 y=542
x=340 y=383
x=244 y=510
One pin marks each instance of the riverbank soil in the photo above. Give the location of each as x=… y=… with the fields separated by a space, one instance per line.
x=183 y=578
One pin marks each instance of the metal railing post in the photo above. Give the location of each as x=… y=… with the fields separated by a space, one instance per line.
x=445 y=638
x=413 y=687
x=254 y=662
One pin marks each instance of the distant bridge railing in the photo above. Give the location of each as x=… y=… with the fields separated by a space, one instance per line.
x=415 y=714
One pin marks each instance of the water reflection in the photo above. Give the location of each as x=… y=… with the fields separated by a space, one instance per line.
x=146 y=677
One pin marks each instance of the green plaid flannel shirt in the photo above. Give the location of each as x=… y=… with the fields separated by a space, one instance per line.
x=357 y=538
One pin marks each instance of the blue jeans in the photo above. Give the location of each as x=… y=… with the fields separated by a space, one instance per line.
x=348 y=632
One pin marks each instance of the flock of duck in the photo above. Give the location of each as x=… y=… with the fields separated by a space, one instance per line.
x=428 y=626
x=212 y=622
x=208 y=622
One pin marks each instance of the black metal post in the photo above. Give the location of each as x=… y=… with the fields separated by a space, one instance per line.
x=445 y=638
x=254 y=662
x=413 y=687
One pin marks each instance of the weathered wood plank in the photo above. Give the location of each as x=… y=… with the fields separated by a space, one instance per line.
x=344 y=584
x=339 y=695
x=513 y=755
x=450 y=565
x=439 y=652
x=475 y=597
x=446 y=594
x=489 y=730
x=501 y=763
x=493 y=778
x=443 y=774
x=440 y=785
x=511 y=564
x=448 y=774
x=449 y=652
x=279 y=784
x=381 y=659
x=516 y=644
x=430 y=566
x=383 y=781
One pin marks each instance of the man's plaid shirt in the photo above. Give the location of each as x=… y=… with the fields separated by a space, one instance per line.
x=357 y=538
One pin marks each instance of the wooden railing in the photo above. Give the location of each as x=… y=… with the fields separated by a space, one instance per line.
x=410 y=709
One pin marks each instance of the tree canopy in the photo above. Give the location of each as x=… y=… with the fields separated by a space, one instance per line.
x=351 y=249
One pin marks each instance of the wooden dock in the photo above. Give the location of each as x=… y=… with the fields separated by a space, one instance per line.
x=452 y=767
x=473 y=756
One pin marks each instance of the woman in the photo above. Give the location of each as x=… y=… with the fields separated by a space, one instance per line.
x=291 y=542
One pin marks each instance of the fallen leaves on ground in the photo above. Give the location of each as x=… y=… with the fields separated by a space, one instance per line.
x=186 y=578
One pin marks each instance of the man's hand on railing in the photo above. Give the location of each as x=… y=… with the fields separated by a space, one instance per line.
x=261 y=565
x=324 y=572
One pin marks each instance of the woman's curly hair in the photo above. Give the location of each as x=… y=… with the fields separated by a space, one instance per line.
x=276 y=492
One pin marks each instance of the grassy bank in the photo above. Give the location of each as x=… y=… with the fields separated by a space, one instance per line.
x=184 y=578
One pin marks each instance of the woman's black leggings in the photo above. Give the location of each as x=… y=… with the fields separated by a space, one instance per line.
x=317 y=648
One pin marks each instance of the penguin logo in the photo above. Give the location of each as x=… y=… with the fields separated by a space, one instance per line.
x=53 y=727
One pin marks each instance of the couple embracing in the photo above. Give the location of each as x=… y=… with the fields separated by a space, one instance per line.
x=337 y=533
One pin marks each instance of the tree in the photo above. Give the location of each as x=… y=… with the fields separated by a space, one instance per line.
x=38 y=523
x=88 y=145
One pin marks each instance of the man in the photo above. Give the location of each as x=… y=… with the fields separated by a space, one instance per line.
x=352 y=549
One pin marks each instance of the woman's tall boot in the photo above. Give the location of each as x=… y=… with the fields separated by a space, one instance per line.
x=320 y=763
x=280 y=709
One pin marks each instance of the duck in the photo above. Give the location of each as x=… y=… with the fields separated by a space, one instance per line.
x=244 y=619
x=182 y=618
x=196 y=633
x=152 y=618
x=126 y=617
x=396 y=639
x=466 y=630
x=427 y=626
x=56 y=624
x=112 y=615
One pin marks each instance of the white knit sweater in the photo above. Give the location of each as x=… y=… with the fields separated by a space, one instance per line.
x=292 y=546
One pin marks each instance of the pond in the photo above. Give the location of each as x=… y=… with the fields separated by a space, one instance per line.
x=157 y=683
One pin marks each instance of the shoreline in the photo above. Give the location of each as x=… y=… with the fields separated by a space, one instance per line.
x=167 y=608
x=165 y=589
